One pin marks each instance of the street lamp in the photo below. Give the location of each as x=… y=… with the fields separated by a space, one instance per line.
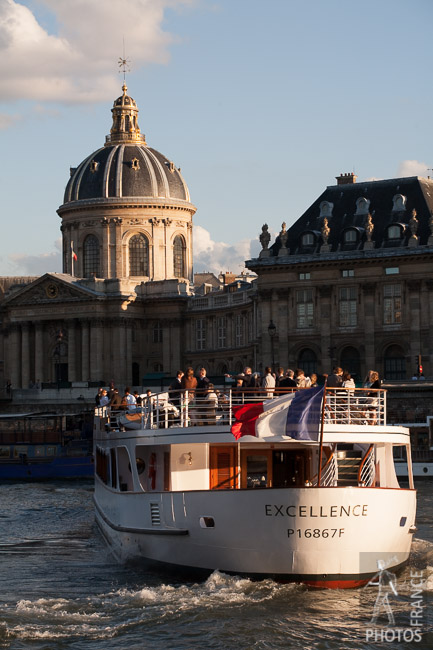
x=272 y=330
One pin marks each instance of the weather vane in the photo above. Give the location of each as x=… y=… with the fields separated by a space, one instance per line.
x=124 y=63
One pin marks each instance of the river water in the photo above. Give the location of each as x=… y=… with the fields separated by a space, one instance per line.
x=60 y=589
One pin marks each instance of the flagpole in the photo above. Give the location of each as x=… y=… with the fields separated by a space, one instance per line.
x=319 y=473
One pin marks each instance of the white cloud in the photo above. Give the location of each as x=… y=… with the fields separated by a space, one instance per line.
x=412 y=168
x=77 y=64
x=38 y=264
x=218 y=256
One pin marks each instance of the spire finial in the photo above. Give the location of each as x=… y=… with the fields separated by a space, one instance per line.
x=124 y=65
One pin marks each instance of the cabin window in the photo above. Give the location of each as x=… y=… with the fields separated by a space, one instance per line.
x=304 y=308
x=51 y=451
x=392 y=304
x=20 y=450
x=39 y=451
x=348 y=304
x=256 y=469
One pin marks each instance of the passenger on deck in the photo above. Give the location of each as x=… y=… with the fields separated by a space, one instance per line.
x=103 y=400
x=175 y=388
x=189 y=383
x=268 y=383
x=288 y=382
x=336 y=378
x=116 y=400
x=301 y=380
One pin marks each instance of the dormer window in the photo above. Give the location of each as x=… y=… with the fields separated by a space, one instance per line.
x=135 y=164
x=398 y=203
x=308 y=239
x=350 y=236
x=394 y=232
x=326 y=208
x=94 y=166
x=362 y=205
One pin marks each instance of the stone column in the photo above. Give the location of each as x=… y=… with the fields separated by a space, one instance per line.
x=105 y=258
x=96 y=350
x=25 y=355
x=414 y=317
x=327 y=325
x=85 y=374
x=265 y=319
x=429 y=339
x=118 y=250
x=15 y=355
x=39 y=352
x=282 y=350
x=369 y=290
x=128 y=352
x=72 y=351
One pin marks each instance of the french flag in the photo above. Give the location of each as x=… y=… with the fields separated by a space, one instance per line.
x=297 y=415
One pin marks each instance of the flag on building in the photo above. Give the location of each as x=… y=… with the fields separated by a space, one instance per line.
x=73 y=253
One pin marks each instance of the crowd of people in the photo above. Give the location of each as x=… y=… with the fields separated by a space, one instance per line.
x=202 y=399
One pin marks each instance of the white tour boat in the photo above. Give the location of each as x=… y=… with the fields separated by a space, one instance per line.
x=320 y=507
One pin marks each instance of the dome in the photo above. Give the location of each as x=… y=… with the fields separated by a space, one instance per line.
x=126 y=166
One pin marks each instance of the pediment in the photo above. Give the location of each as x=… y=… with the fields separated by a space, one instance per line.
x=50 y=289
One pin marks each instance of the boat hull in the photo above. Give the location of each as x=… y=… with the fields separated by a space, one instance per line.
x=58 y=468
x=325 y=537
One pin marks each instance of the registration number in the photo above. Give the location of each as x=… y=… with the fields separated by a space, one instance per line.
x=315 y=532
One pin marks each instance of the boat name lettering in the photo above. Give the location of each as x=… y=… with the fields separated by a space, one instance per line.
x=316 y=532
x=358 y=510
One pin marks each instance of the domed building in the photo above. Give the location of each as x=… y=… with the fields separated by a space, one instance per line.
x=127 y=210
x=123 y=308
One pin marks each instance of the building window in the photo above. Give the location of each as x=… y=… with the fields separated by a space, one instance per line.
x=157 y=333
x=91 y=257
x=307 y=239
x=304 y=308
x=394 y=232
x=392 y=304
x=222 y=331
x=138 y=256
x=350 y=236
x=200 y=333
x=395 y=363
x=305 y=276
x=307 y=360
x=348 y=301
x=239 y=331
x=348 y=273
x=392 y=270
x=179 y=257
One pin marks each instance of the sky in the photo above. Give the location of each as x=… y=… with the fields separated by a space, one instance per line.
x=260 y=103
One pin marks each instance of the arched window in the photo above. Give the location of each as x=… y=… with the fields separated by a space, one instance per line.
x=138 y=256
x=91 y=257
x=350 y=361
x=395 y=363
x=179 y=257
x=307 y=360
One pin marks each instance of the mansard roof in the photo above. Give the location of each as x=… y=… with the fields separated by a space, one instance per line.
x=349 y=207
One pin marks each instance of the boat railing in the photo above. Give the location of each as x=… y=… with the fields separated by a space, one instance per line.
x=183 y=408
x=329 y=473
x=367 y=469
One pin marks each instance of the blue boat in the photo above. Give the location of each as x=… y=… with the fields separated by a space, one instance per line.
x=35 y=446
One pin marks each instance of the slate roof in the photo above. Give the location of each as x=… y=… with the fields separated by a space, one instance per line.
x=417 y=193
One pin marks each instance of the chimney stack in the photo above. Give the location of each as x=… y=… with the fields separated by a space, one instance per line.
x=346 y=179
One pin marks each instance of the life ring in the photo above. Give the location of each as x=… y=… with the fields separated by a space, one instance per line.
x=152 y=470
